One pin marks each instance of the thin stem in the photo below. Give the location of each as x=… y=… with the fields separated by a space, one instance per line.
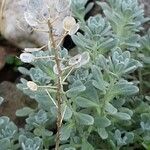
x=141 y=81
x=59 y=85
x=51 y=98
x=63 y=114
x=108 y=96
x=48 y=86
x=62 y=39
x=68 y=74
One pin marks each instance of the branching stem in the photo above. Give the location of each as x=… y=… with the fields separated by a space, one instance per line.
x=59 y=85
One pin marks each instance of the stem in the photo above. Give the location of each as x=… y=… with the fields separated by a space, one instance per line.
x=141 y=81
x=59 y=85
x=108 y=96
x=51 y=98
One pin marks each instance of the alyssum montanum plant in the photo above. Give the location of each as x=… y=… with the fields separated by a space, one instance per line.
x=87 y=101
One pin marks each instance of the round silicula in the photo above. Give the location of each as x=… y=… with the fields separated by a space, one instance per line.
x=68 y=23
x=29 y=50
x=55 y=69
x=79 y=60
x=27 y=57
x=75 y=60
x=32 y=86
x=85 y=58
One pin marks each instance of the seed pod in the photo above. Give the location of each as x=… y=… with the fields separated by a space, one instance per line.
x=28 y=50
x=55 y=69
x=27 y=57
x=79 y=60
x=32 y=86
x=85 y=58
x=68 y=23
x=75 y=60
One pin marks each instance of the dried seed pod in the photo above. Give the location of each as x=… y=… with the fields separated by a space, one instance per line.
x=85 y=58
x=79 y=60
x=55 y=69
x=32 y=86
x=68 y=23
x=29 y=50
x=27 y=57
x=75 y=60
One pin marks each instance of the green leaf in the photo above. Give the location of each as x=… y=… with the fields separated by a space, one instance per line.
x=86 y=146
x=24 y=112
x=110 y=108
x=126 y=110
x=101 y=122
x=84 y=119
x=65 y=132
x=64 y=110
x=5 y=144
x=124 y=87
x=85 y=103
x=34 y=143
x=42 y=132
x=102 y=133
x=91 y=93
x=23 y=70
x=76 y=88
x=68 y=113
x=123 y=138
x=122 y=116
x=70 y=148
x=129 y=137
x=98 y=81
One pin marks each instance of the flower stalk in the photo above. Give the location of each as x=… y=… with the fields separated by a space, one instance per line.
x=59 y=85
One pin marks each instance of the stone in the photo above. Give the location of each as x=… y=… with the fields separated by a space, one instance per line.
x=2 y=57
x=146 y=6
x=14 y=99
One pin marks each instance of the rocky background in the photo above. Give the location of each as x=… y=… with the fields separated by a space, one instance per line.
x=16 y=34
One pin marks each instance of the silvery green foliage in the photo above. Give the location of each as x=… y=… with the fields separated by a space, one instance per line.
x=97 y=37
x=121 y=63
x=126 y=18
x=7 y=128
x=30 y=143
x=123 y=138
x=79 y=10
x=8 y=131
